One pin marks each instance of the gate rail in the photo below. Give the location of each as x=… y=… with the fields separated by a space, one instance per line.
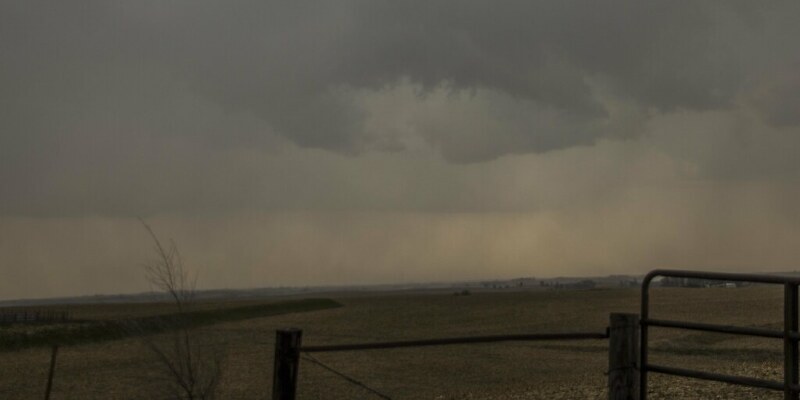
x=790 y=335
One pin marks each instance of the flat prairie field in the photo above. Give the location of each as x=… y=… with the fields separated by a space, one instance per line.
x=126 y=368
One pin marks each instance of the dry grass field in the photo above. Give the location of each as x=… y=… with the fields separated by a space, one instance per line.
x=123 y=369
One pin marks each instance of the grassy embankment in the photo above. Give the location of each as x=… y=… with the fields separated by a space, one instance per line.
x=15 y=337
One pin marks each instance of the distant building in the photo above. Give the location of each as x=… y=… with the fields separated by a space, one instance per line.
x=628 y=283
x=696 y=283
x=584 y=284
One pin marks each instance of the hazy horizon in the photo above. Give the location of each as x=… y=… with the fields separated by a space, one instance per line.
x=315 y=143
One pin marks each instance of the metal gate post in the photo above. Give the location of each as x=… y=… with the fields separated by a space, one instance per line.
x=790 y=345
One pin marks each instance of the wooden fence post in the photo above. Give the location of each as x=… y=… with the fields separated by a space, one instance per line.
x=623 y=357
x=50 y=374
x=287 y=361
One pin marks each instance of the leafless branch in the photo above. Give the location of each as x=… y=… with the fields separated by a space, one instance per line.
x=191 y=370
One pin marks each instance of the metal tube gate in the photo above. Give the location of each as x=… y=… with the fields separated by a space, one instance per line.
x=790 y=336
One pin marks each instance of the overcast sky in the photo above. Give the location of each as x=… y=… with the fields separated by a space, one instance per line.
x=337 y=142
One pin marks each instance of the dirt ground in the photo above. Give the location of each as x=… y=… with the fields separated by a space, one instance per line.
x=124 y=369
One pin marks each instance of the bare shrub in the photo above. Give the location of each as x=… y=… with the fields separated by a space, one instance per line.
x=190 y=368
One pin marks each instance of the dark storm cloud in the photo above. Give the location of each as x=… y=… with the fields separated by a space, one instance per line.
x=778 y=99
x=284 y=60
x=149 y=106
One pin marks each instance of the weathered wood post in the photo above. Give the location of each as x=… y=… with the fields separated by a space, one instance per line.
x=50 y=374
x=287 y=361
x=623 y=357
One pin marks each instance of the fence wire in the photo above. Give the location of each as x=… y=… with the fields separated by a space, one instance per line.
x=347 y=378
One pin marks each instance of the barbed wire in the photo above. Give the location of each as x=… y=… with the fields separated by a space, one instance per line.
x=350 y=379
